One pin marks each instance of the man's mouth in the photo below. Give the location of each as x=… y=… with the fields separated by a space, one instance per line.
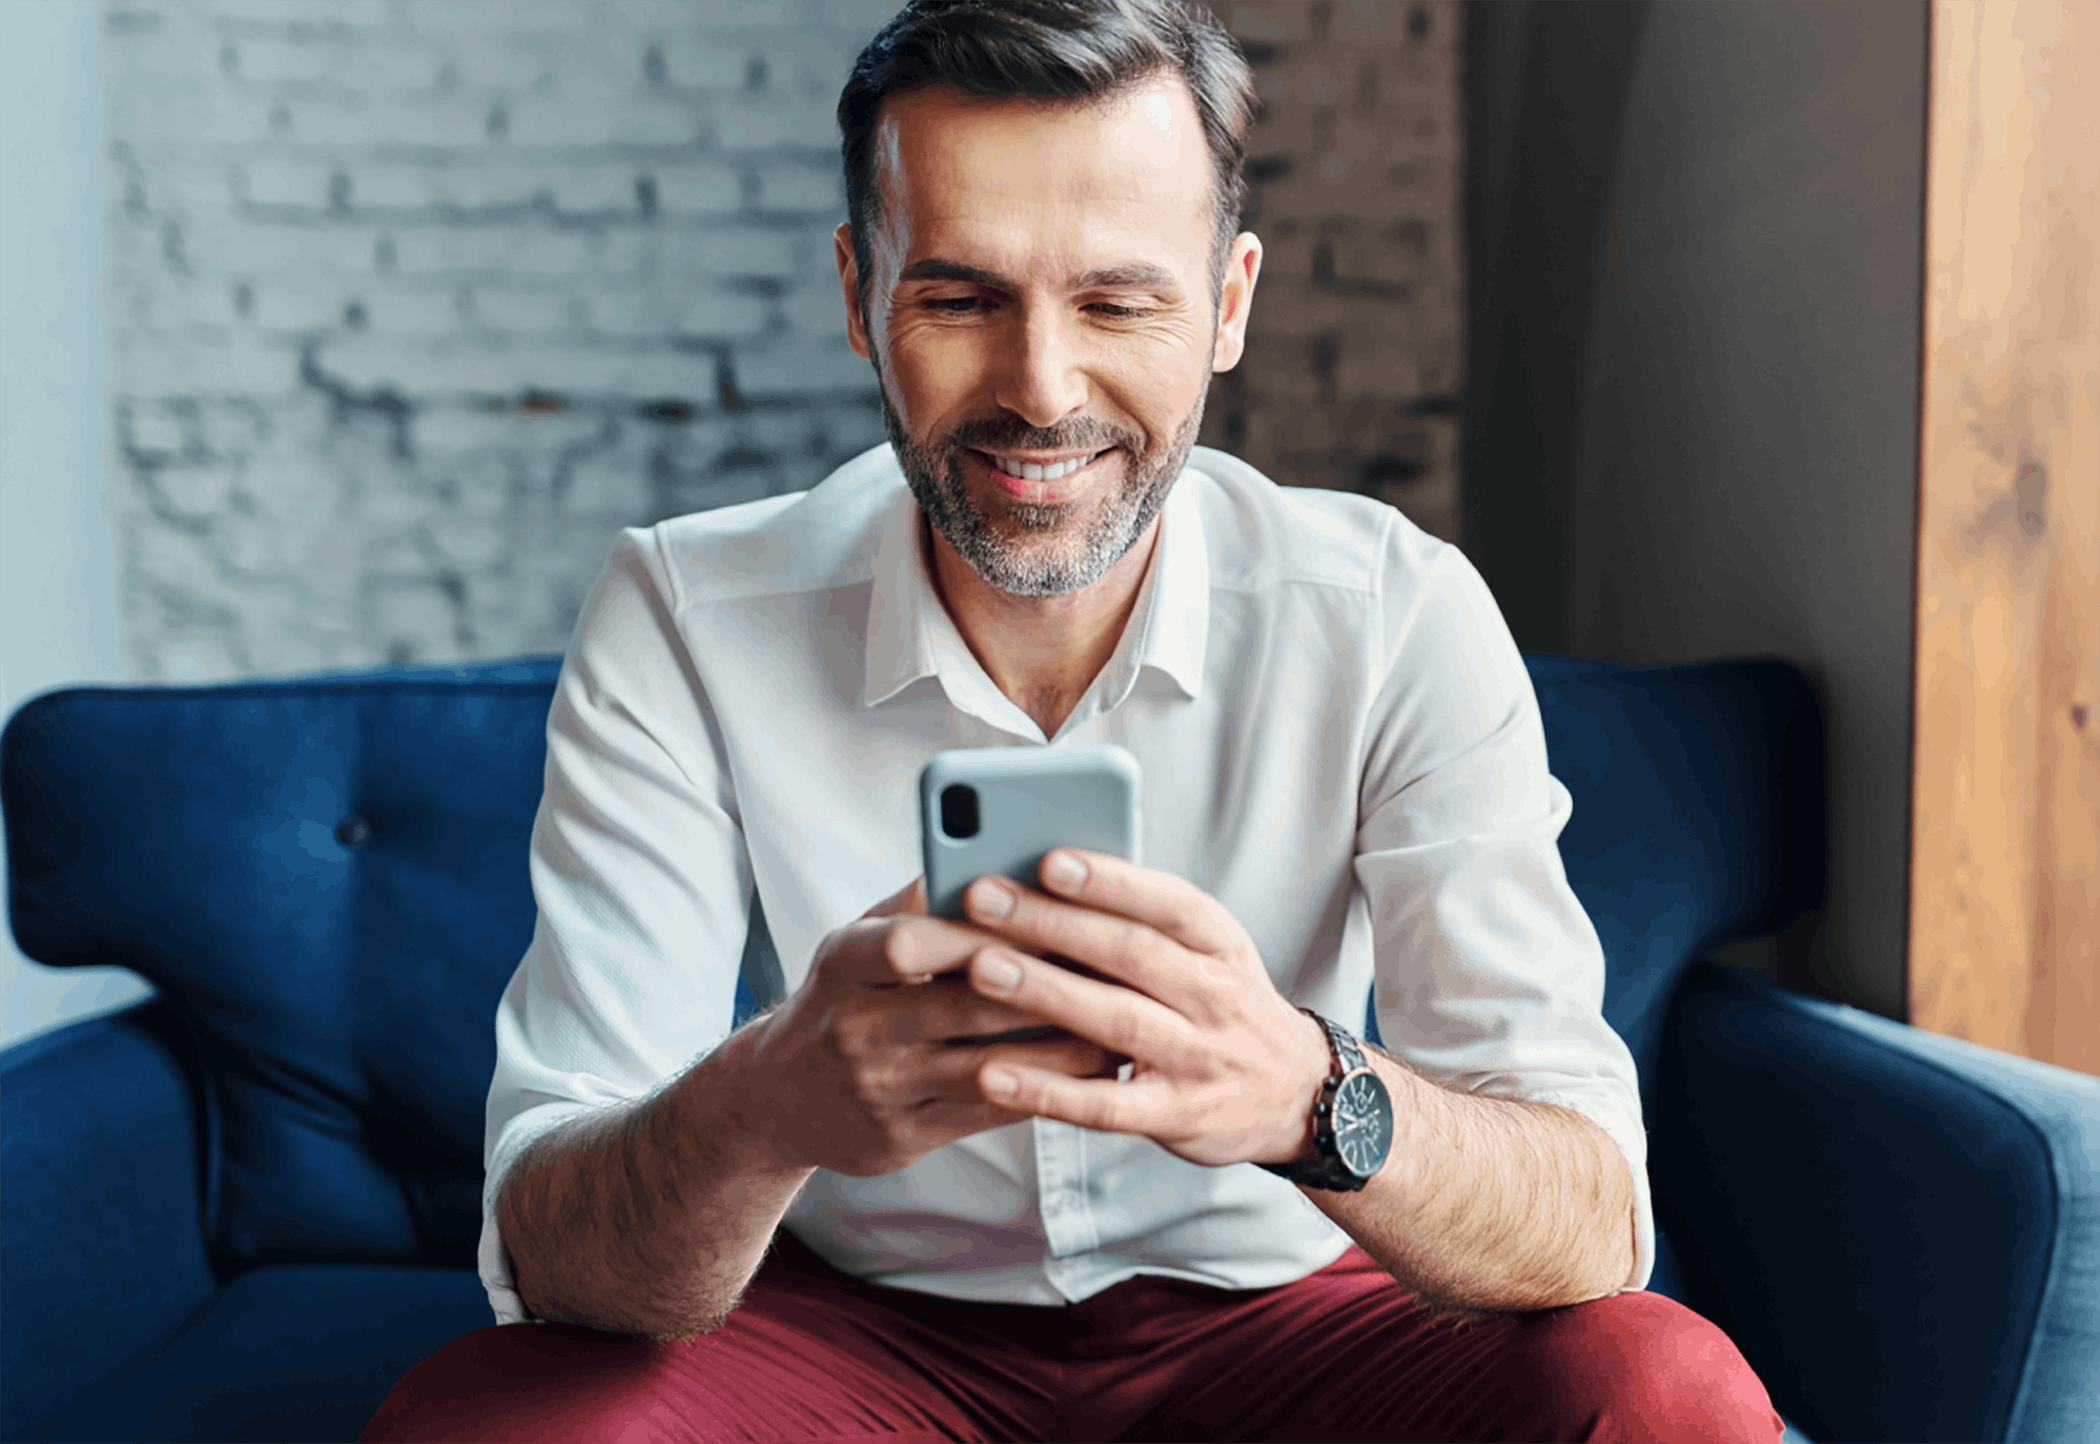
x=1022 y=469
x=1043 y=482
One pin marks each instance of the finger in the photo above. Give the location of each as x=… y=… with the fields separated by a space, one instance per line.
x=915 y=950
x=953 y=1073
x=1141 y=1105
x=949 y=1011
x=1118 y=1018
x=1159 y=900
x=1129 y=952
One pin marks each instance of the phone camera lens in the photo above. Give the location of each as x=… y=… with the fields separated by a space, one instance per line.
x=959 y=810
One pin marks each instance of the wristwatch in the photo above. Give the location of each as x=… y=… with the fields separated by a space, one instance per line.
x=1352 y=1121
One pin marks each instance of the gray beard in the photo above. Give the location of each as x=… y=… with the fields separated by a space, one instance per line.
x=995 y=552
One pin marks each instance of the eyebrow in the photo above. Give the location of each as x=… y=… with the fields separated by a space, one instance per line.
x=1142 y=275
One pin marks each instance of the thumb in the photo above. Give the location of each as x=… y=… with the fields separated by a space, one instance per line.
x=909 y=899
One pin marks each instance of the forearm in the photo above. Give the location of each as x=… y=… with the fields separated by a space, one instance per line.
x=1489 y=1205
x=651 y=1220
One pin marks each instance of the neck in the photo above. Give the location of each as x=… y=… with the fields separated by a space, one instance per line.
x=1042 y=652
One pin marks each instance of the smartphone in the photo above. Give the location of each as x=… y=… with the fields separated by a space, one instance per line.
x=999 y=809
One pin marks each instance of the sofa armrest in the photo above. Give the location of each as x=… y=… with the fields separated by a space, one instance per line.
x=1900 y=1231
x=101 y=1167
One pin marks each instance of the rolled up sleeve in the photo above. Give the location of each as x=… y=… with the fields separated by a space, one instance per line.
x=1489 y=974
x=642 y=880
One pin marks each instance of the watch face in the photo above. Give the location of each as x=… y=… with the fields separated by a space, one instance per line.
x=1363 y=1123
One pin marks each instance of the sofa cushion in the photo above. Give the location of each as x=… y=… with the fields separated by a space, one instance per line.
x=1698 y=821
x=326 y=879
x=290 y=1353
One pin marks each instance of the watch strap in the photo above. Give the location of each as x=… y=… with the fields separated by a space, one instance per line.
x=1328 y=1171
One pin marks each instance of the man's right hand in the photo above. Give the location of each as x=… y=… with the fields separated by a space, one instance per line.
x=873 y=1063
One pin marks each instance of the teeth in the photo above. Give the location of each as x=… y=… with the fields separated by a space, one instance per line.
x=1029 y=471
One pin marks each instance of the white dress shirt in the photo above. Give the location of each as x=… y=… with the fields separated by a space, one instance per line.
x=1339 y=743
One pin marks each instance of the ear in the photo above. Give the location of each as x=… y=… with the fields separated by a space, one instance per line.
x=1234 y=301
x=849 y=280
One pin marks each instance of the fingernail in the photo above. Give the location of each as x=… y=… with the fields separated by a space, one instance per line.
x=1000 y=974
x=993 y=900
x=1001 y=1082
x=1063 y=869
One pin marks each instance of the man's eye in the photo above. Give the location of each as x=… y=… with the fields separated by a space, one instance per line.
x=952 y=305
x=1121 y=313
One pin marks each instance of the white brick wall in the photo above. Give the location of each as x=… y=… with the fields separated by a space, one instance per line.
x=416 y=302
x=352 y=236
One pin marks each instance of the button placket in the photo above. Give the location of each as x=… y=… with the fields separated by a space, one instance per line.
x=1065 y=1223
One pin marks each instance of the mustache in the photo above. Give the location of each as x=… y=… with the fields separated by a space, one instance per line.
x=1000 y=439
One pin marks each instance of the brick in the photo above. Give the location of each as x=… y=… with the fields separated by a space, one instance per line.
x=789 y=186
x=410 y=313
x=741 y=127
x=388 y=187
x=765 y=15
x=198 y=303
x=604 y=118
x=1368 y=22
x=199 y=114
x=477 y=18
x=697 y=189
x=165 y=52
x=614 y=483
x=490 y=250
x=192 y=491
x=739 y=251
x=357 y=122
x=300 y=61
x=150 y=365
x=230 y=429
x=1272 y=20
x=307 y=14
x=176 y=187
x=517 y=311
x=471 y=544
x=293 y=183
x=293 y=303
x=414 y=620
x=596 y=190
x=857 y=18
x=226 y=244
x=163 y=557
x=486 y=62
x=479 y=186
x=793 y=366
x=155 y=430
x=684 y=312
x=703 y=63
x=463 y=369
x=442 y=431
x=821 y=311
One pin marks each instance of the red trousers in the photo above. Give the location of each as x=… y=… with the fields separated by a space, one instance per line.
x=812 y=1353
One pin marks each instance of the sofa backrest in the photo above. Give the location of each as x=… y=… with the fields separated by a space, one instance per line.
x=325 y=878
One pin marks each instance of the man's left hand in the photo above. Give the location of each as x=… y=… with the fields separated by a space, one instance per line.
x=1224 y=1068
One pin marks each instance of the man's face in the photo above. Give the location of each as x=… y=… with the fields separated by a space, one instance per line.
x=1041 y=293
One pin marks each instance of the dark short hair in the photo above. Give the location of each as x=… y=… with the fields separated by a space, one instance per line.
x=1078 y=51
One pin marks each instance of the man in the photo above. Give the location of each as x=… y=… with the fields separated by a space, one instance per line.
x=855 y=1217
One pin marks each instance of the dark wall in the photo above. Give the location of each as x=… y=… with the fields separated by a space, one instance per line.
x=1693 y=393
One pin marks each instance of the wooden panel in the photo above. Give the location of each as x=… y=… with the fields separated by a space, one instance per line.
x=2005 y=874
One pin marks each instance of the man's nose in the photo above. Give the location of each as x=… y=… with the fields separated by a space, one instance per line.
x=1042 y=379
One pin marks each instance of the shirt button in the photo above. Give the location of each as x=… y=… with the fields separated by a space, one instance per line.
x=1063 y=1201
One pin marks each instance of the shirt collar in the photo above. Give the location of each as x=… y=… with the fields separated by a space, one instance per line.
x=910 y=634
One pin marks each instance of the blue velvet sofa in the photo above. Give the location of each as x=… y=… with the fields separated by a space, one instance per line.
x=242 y=1208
